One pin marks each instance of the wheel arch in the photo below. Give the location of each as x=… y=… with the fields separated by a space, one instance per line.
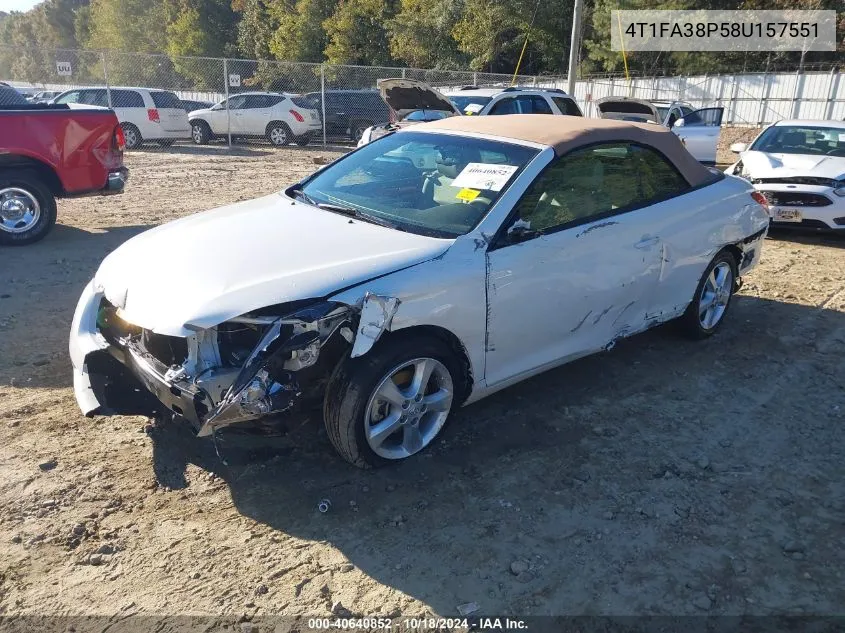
x=10 y=162
x=449 y=338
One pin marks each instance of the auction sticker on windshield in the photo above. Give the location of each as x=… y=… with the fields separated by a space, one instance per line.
x=484 y=176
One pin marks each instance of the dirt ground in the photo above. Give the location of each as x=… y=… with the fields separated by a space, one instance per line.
x=664 y=477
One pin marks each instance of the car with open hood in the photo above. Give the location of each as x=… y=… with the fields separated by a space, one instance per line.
x=418 y=273
x=699 y=130
x=799 y=166
x=410 y=102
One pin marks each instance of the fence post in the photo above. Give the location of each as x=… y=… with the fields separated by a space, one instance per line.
x=106 y=78
x=474 y=79
x=323 y=98
x=767 y=91
x=734 y=95
x=226 y=92
x=835 y=78
x=799 y=88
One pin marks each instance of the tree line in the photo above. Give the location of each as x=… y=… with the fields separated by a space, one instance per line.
x=480 y=35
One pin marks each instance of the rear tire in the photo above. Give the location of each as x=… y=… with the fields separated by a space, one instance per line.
x=27 y=208
x=132 y=134
x=352 y=408
x=279 y=134
x=200 y=132
x=709 y=306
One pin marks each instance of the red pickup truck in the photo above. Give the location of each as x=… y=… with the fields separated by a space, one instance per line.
x=49 y=152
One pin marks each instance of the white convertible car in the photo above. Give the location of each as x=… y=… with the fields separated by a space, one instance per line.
x=800 y=167
x=419 y=273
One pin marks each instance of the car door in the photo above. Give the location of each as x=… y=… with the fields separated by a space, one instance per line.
x=700 y=133
x=577 y=264
x=221 y=119
x=129 y=107
x=251 y=116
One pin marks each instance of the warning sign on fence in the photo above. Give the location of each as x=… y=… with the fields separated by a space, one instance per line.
x=235 y=81
x=64 y=69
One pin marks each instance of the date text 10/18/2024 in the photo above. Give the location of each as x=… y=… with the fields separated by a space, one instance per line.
x=418 y=624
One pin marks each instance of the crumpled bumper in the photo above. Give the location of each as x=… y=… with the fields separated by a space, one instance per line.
x=84 y=340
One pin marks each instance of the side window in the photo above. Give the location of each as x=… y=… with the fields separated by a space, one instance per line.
x=237 y=103
x=94 y=97
x=166 y=100
x=673 y=116
x=597 y=181
x=567 y=106
x=541 y=106
x=252 y=102
x=505 y=106
x=69 y=97
x=126 y=99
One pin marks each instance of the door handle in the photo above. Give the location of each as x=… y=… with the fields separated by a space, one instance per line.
x=647 y=242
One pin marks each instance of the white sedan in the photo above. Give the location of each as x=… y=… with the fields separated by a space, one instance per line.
x=800 y=167
x=419 y=273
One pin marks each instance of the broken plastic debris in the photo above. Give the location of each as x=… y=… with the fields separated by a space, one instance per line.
x=324 y=505
x=467 y=608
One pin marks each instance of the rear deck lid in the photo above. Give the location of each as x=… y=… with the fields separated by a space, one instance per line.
x=627 y=109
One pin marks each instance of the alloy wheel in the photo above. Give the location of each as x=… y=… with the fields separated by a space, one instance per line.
x=408 y=408
x=715 y=295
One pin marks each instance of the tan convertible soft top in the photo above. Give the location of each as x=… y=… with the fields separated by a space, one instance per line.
x=565 y=133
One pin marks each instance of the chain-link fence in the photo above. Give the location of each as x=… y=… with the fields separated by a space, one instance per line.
x=328 y=103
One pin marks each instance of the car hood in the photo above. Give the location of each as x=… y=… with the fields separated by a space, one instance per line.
x=404 y=96
x=201 y=270
x=769 y=165
x=625 y=109
x=202 y=112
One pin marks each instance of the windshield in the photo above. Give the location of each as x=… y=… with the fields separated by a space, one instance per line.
x=428 y=115
x=800 y=139
x=431 y=184
x=470 y=105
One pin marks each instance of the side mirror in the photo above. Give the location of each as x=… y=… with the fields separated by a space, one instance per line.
x=738 y=148
x=520 y=231
x=679 y=123
x=217 y=106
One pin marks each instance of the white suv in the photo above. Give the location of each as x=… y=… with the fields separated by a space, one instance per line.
x=145 y=114
x=473 y=100
x=281 y=118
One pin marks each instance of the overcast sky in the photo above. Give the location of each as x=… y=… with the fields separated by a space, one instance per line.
x=17 y=5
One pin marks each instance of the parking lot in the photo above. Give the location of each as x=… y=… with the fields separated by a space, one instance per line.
x=663 y=477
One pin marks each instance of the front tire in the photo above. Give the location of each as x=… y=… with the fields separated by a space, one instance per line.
x=706 y=313
x=200 y=132
x=392 y=402
x=27 y=208
x=279 y=134
x=132 y=134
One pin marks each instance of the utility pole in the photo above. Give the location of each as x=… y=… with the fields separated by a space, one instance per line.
x=574 y=47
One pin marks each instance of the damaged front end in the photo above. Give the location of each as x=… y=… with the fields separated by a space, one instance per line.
x=265 y=361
